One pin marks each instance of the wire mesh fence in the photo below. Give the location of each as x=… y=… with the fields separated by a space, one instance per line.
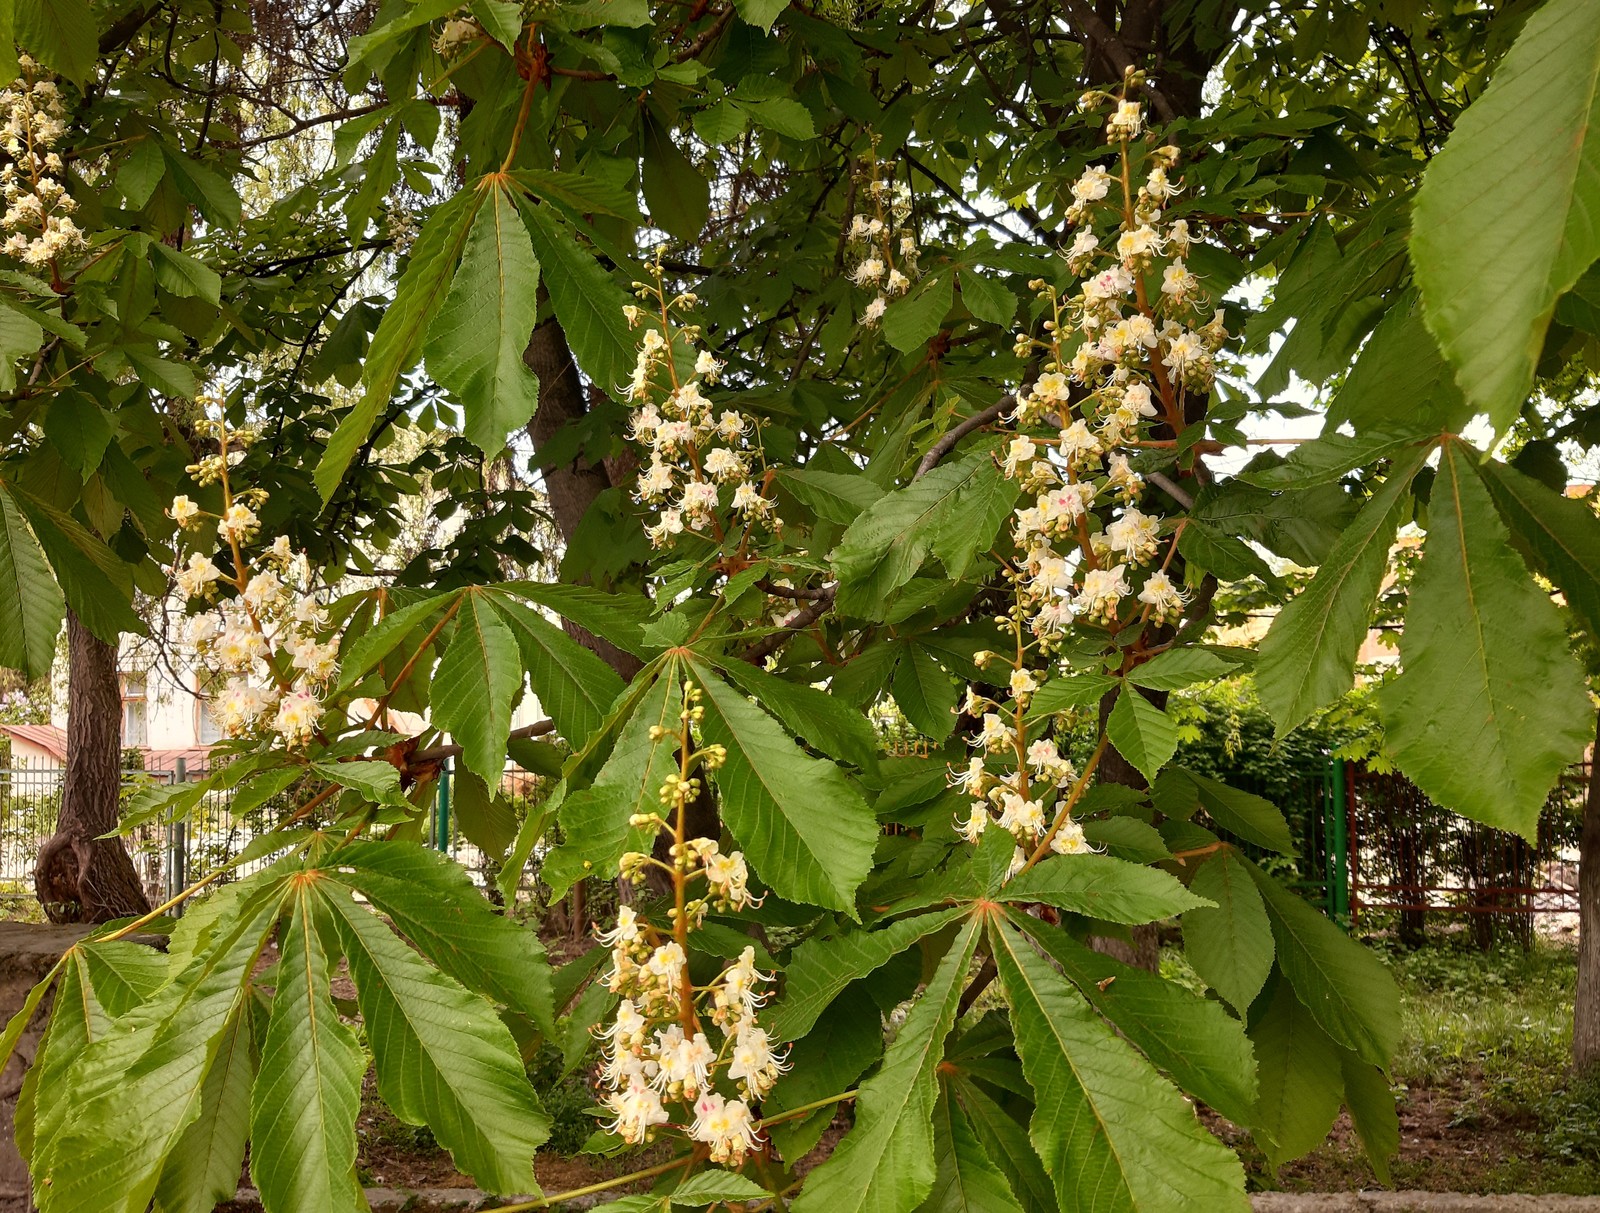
x=170 y=856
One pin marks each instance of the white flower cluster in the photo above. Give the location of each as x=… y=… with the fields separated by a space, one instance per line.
x=883 y=245
x=263 y=640
x=1121 y=352
x=1021 y=785
x=38 y=216
x=659 y=1049
x=703 y=464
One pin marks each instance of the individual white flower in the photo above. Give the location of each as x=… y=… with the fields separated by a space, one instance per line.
x=972 y=778
x=732 y=426
x=1070 y=840
x=724 y=465
x=1052 y=386
x=628 y=931
x=1062 y=507
x=1084 y=246
x=238 y=706
x=644 y=424
x=298 y=713
x=707 y=367
x=1023 y=683
x=1134 y=536
x=238 y=522
x=868 y=272
x=1093 y=185
x=874 y=311
x=1126 y=122
x=753 y=1062
x=1165 y=600
x=1121 y=476
x=198 y=576
x=972 y=826
x=996 y=734
x=1103 y=590
x=263 y=590
x=747 y=499
x=656 y=482
x=897 y=284
x=1020 y=452
x=1138 y=243
x=239 y=647
x=726 y=1126
x=1078 y=445
x=1022 y=817
x=202 y=629
x=685 y=1061
x=662 y=532
x=183 y=511
x=637 y=1109
x=1178 y=282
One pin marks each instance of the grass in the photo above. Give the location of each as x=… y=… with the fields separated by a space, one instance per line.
x=1487 y=1099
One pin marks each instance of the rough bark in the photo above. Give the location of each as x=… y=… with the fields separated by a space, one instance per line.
x=1586 y=1004
x=572 y=487
x=81 y=877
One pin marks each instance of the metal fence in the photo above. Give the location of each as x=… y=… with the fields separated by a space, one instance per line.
x=170 y=856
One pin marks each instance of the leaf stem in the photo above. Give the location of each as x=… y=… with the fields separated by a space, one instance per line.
x=546 y=1202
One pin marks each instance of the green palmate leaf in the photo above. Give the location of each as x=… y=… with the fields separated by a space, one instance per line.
x=716 y=1187
x=1098 y=886
x=1332 y=455
x=831 y=1057
x=1504 y=221
x=203 y=1169
x=910 y=323
x=1192 y=1040
x=20 y=336
x=760 y=13
x=60 y=33
x=1489 y=706
x=1229 y=944
x=74 y=1024
x=586 y=300
x=885 y=1164
x=803 y=825
x=1301 y=1079
x=135 y=1092
x=822 y=968
x=304 y=1104
x=677 y=193
x=1560 y=535
x=1345 y=987
x=1005 y=1140
x=1076 y=691
x=1177 y=668
x=966 y=1179
x=376 y=780
x=485 y=816
x=1400 y=373
x=924 y=692
x=886 y=545
x=432 y=902
x=1251 y=817
x=184 y=275
x=1372 y=1111
x=476 y=686
x=617 y=617
x=594 y=821
x=1142 y=733
x=443 y=1057
x=1308 y=658
x=367 y=650
x=398 y=342
x=573 y=685
x=31 y=606
x=580 y=194
x=475 y=343
x=97 y=584
x=835 y=497
x=818 y=718
x=1113 y=1134
x=501 y=18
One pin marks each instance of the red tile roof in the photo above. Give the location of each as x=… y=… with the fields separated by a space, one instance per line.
x=53 y=741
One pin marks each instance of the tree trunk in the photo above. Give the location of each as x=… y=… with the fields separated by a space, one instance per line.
x=1586 y=1005
x=572 y=487
x=1145 y=950
x=81 y=877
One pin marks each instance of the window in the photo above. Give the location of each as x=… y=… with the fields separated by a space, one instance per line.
x=207 y=730
x=135 y=711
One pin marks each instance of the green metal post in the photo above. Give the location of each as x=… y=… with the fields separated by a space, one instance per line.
x=1338 y=842
x=441 y=813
